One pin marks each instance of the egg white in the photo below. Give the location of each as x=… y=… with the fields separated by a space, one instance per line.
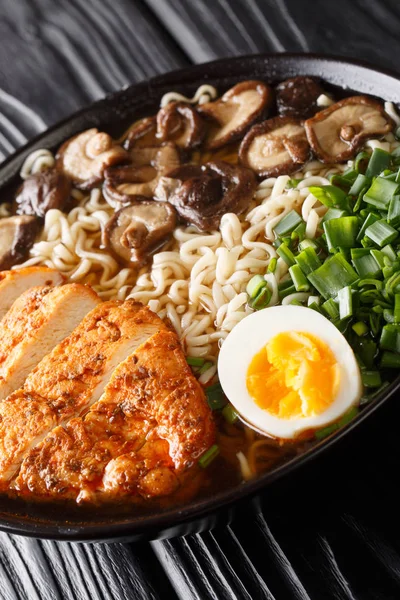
x=252 y=334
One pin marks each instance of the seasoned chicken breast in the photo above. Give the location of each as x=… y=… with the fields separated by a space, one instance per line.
x=14 y=283
x=72 y=377
x=151 y=423
x=38 y=320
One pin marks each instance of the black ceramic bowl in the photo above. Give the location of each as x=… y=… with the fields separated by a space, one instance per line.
x=123 y=107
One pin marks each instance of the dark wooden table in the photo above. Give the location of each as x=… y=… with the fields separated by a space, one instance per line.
x=334 y=530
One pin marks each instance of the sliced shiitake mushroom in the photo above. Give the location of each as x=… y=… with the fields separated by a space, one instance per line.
x=142 y=134
x=203 y=194
x=41 y=192
x=275 y=147
x=235 y=112
x=336 y=133
x=141 y=176
x=84 y=157
x=137 y=230
x=180 y=123
x=17 y=235
x=297 y=97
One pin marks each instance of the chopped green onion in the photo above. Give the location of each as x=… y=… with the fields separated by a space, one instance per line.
x=370 y=218
x=308 y=260
x=307 y=244
x=393 y=217
x=348 y=416
x=379 y=161
x=331 y=308
x=390 y=338
x=396 y=312
x=388 y=315
x=371 y=379
x=369 y=281
x=388 y=251
x=289 y=222
x=381 y=233
x=272 y=265
x=332 y=276
x=389 y=360
x=392 y=285
x=360 y=328
x=286 y=254
x=361 y=162
x=341 y=232
x=381 y=192
x=324 y=432
x=365 y=265
x=379 y=257
x=360 y=183
x=255 y=285
x=208 y=456
x=333 y=213
x=286 y=291
x=330 y=195
x=207 y=365
x=262 y=299
x=344 y=183
x=367 y=398
x=292 y=183
x=299 y=279
x=345 y=299
x=195 y=361
x=229 y=413
x=215 y=396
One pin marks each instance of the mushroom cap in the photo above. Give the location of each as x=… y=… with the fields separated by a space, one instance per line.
x=336 y=133
x=235 y=111
x=141 y=134
x=141 y=176
x=205 y=193
x=180 y=123
x=297 y=97
x=17 y=235
x=137 y=230
x=41 y=192
x=275 y=147
x=84 y=157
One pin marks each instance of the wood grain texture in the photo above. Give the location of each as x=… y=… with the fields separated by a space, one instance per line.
x=331 y=532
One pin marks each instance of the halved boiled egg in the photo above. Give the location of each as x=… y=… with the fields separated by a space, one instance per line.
x=288 y=369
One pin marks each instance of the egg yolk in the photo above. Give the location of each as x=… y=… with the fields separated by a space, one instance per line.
x=295 y=375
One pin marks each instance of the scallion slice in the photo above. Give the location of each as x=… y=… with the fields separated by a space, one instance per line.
x=255 y=285
x=381 y=233
x=345 y=299
x=272 y=265
x=381 y=192
x=299 y=279
x=361 y=162
x=396 y=312
x=209 y=455
x=389 y=360
x=289 y=222
x=393 y=217
x=262 y=299
x=371 y=379
x=331 y=196
x=390 y=338
x=369 y=219
x=331 y=309
x=229 y=413
x=308 y=260
x=215 y=396
x=195 y=361
x=286 y=254
x=341 y=232
x=379 y=161
x=360 y=328
x=335 y=274
x=360 y=183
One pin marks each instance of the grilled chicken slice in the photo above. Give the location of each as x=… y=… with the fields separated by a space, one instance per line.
x=14 y=283
x=38 y=320
x=72 y=377
x=117 y=448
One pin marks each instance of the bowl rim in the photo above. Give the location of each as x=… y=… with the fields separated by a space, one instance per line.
x=150 y=525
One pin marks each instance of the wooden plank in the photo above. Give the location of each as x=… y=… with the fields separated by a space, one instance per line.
x=59 y=56
x=207 y=30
